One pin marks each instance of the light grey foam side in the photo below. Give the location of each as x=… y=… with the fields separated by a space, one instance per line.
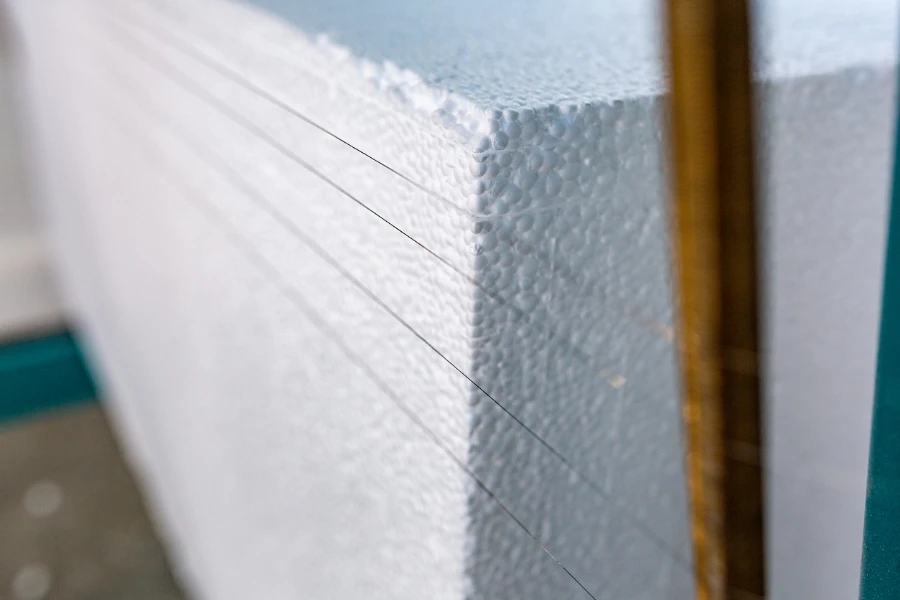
x=827 y=146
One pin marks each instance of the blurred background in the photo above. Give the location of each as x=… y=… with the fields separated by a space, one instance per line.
x=72 y=522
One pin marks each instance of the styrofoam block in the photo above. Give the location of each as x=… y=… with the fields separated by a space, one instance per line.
x=317 y=352
x=828 y=147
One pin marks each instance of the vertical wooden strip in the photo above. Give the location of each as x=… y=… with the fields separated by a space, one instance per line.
x=714 y=217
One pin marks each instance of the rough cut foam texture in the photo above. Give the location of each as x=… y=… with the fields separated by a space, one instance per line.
x=346 y=376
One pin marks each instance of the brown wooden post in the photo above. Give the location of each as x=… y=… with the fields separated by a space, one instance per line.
x=714 y=228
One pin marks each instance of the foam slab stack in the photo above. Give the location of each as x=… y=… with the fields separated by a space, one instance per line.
x=381 y=291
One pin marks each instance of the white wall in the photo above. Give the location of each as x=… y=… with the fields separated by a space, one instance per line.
x=28 y=299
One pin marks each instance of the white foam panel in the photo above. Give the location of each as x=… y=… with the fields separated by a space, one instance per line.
x=375 y=317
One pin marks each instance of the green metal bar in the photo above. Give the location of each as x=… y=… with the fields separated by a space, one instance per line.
x=42 y=374
x=881 y=538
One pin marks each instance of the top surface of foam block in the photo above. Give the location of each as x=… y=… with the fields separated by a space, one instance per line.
x=528 y=53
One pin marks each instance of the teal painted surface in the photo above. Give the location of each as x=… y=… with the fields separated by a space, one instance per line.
x=41 y=374
x=881 y=539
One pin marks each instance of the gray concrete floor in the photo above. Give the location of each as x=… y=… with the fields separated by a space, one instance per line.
x=72 y=523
